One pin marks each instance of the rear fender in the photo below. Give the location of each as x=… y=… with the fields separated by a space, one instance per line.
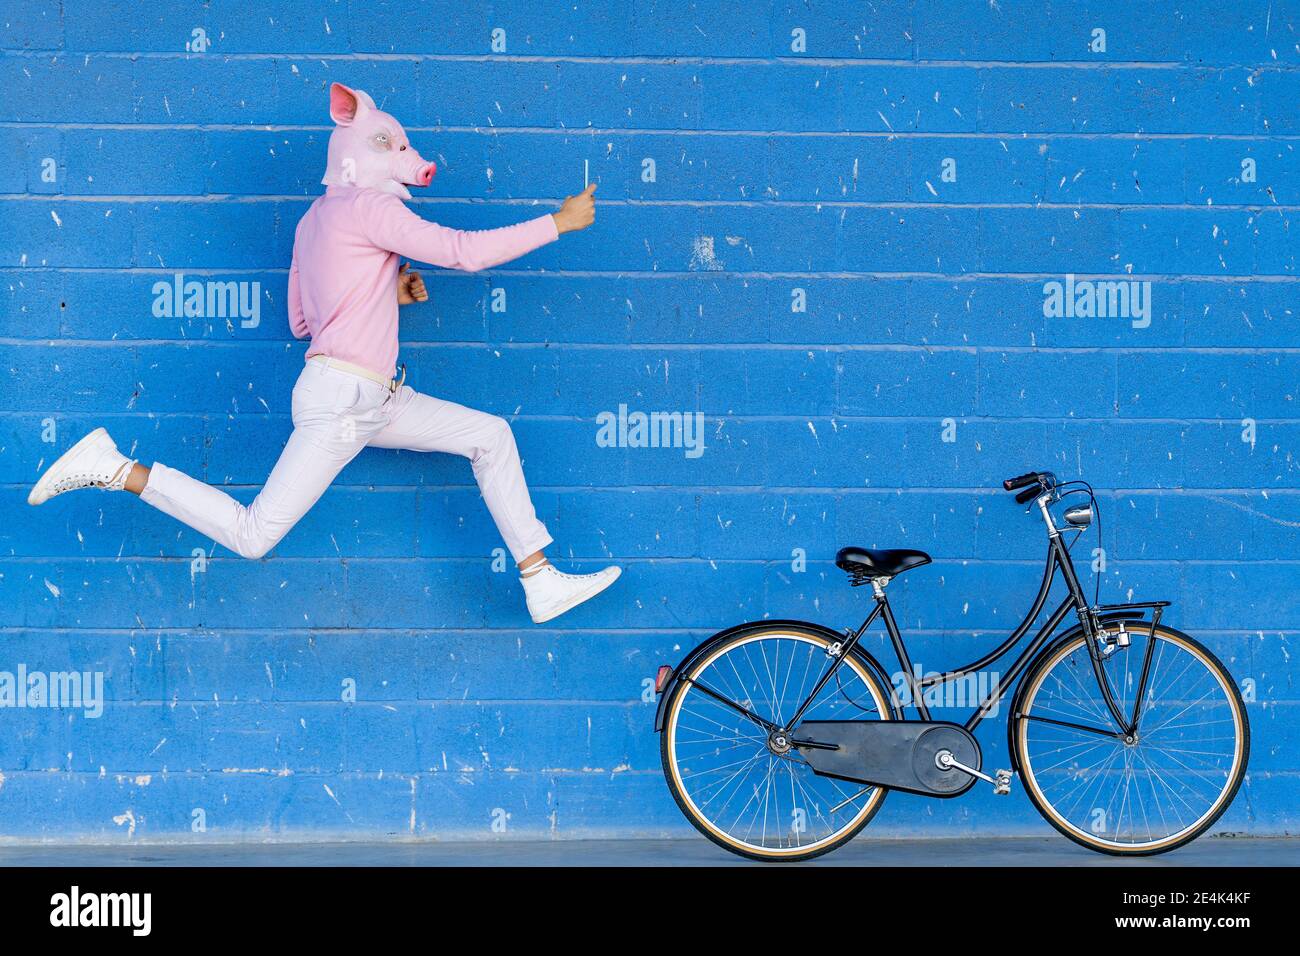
x=707 y=645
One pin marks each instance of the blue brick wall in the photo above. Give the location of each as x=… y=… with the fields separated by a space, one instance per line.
x=839 y=260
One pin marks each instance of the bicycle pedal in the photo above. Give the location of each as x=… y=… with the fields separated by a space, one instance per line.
x=1002 y=782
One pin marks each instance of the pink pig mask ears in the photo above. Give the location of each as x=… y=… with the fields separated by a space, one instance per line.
x=369 y=148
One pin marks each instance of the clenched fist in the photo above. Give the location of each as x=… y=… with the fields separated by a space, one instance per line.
x=578 y=212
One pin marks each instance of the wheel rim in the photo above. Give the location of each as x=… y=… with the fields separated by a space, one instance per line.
x=1156 y=790
x=732 y=784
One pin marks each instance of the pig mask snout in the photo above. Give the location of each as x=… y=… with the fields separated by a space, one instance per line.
x=369 y=148
x=413 y=168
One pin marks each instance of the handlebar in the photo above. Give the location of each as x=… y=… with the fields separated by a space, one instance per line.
x=1034 y=484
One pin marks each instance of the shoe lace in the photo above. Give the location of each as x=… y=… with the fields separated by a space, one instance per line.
x=558 y=573
x=88 y=479
x=575 y=577
x=78 y=480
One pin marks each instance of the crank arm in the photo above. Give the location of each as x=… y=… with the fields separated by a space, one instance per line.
x=1001 y=783
x=947 y=761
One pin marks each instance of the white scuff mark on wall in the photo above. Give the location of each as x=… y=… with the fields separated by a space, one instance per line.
x=55 y=216
x=1256 y=514
x=703 y=257
x=52 y=588
x=262 y=771
x=127 y=818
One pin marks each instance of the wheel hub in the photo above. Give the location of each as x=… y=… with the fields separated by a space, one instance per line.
x=778 y=741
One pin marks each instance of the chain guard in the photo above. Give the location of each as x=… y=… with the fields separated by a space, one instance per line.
x=898 y=754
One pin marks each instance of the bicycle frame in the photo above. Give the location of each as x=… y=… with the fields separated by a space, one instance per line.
x=1090 y=619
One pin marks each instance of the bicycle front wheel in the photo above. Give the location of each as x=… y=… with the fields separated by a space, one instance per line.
x=740 y=792
x=1155 y=790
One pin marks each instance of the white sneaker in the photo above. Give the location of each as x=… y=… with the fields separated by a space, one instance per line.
x=93 y=462
x=550 y=592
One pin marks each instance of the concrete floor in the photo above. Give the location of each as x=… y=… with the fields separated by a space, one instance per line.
x=1047 y=851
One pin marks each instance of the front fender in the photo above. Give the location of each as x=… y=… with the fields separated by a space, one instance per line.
x=661 y=711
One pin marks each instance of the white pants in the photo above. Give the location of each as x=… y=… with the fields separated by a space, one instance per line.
x=335 y=415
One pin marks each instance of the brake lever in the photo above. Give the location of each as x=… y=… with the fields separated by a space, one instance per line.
x=1029 y=494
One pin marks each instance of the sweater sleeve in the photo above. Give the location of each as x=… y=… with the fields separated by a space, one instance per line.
x=297 y=320
x=390 y=225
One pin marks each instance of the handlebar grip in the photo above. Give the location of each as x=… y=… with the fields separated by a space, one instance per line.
x=1011 y=484
x=1029 y=494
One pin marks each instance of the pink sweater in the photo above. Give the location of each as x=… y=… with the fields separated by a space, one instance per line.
x=343 y=280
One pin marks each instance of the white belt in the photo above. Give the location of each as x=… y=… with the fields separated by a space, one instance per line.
x=391 y=384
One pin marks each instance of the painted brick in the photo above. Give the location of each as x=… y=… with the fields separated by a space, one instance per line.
x=865 y=335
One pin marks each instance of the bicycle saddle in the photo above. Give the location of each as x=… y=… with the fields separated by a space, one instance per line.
x=865 y=562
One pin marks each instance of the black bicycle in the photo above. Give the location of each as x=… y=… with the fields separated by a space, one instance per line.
x=780 y=739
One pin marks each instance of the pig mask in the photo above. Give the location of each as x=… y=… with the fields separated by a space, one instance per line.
x=369 y=148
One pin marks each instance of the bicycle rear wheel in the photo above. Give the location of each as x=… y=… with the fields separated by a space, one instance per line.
x=728 y=782
x=1156 y=791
